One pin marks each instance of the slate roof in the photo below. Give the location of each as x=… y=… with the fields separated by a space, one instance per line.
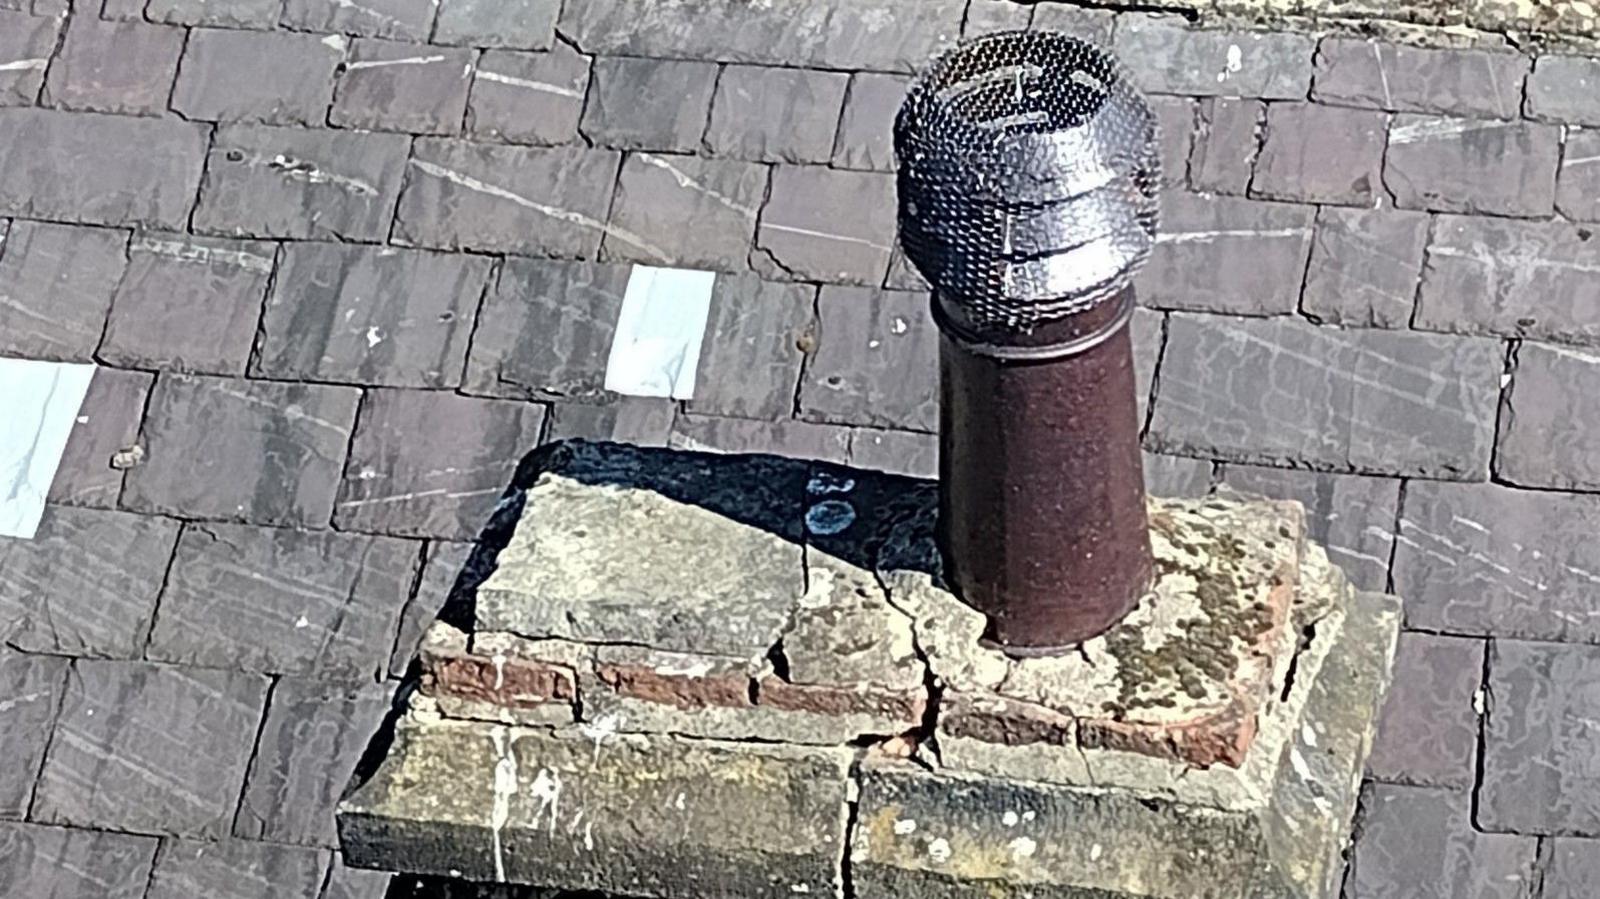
x=344 y=262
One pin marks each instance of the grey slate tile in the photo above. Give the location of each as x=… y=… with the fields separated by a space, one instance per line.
x=1442 y=80
x=60 y=861
x=235 y=869
x=1574 y=869
x=122 y=67
x=274 y=78
x=542 y=202
x=394 y=86
x=986 y=16
x=1166 y=56
x=1282 y=392
x=1486 y=559
x=33 y=686
x=1227 y=254
x=329 y=608
x=107 y=424
x=405 y=20
x=1428 y=730
x=315 y=733
x=26 y=44
x=258 y=14
x=685 y=212
x=1146 y=332
x=1177 y=118
x=105 y=185
x=229 y=449
x=513 y=24
x=1419 y=842
x=432 y=464
x=1474 y=166
x=1227 y=142
x=150 y=748
x=188 y=303
x=370 y=315
x=826 y=225
x=876 y=361
x=1321 y=154
x=649 y=104
x=1578 y=184
x=876 y=35
x=902 y=274
x=354 y=883
x=545 y=330
x=446 y=560
x=750 y=357
x=866 y=126
x=56 y=284
x=1088 y=23
x=788 y=438
x=1552 y=397
x=1176 y=475
x=86 y=585
x=640 y=420
x=1512 y=278
x=776 y=115
x=1349 y=515
x=301 y=183
x=1565 y=88
x=1365 y=266
x=1540 y=771
x=907 y=453
x=528 y=98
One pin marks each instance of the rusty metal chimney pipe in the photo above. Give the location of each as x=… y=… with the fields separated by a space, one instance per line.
x=1028 y=193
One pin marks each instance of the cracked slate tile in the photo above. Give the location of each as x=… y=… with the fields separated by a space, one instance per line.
x=685 y=212
x=107 y=424
x=1419 y=842
x=33 y=686
x=271 y=78
x=528 y=98
x=121 y=67
x=1175 y=120
x=1365 y=266
x=648 y=104
x=1578 y=183
x=1472 y=166
x=866 y=126
x=1321 y=154
x=1428 y=729
x=394 y=86
x=1227 y=140
x=56 y=285
x=1400 y=78
x=876 y=361
x=826 y=225
x=26 y=44
x=236 y=869
x=443 y=579
x=1554 y=396
x=62 y=861
x=751 y=354
x=776 y=115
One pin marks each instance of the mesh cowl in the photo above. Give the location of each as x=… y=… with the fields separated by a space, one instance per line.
x=1029 y=170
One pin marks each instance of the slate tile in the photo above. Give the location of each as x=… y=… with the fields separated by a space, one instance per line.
x=433 y=464
x=301 y=183
x=86 y=584
x=1227 y=254
x=259 y=14
x=1349 y=515
x=1176 y=475
x=1574 y=869
x=242 y=450
x=113 y=10
x=528 y=98
x=105 y=185
x=108 y=424
x=274 y=78
x=1321 y=154
x=1539 y=748
x=26 y=44
x=1442 y=80
x=188 y=303
x=866 y=126
x=776 y=115
x=649 y=104
x=354 y=883
x=639 y=420
x=56 y=283
x=876 y=35
x=1177 y=118
x=1227 y=143
x=1283 y=392
x=1365 y=266
x=33 y=686
x=876 y=361
x=1165 y=56
x=1578 y=183
x=1475 y=166
x=541 y=202
x=1419 y=842
x=826 y=225
x=987 y=16
x=902 y=274
x=370 y=315
x=685 y=212
x=123 y=67
x=150 y=748
x=545 y=330
x=1428 y=730
x=750 y=357
x=444 y=566
x=393 y=86
x=404 y=20
x=513 y=24
x=1565 y=89
x=1512 y=278
x=315 y=733
x=60 y=861
x=235 y=869
x=1554 y=393
x=907 y=453
x=788 y=438
x=1090 y=24
x=1489 y=560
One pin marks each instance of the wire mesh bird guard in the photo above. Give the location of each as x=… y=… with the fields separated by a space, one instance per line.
x=1028 y=189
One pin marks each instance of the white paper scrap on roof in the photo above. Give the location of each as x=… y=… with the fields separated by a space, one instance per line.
x=39 y=404
x=659 y=331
